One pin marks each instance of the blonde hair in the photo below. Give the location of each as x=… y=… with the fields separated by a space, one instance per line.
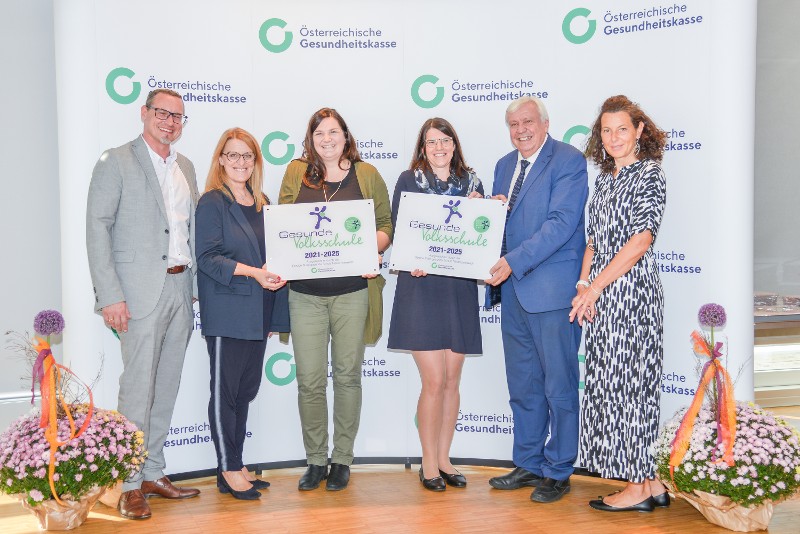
x=216 y=172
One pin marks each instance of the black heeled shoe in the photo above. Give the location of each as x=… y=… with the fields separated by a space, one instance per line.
x=661 y=501
x=250 y=494
x=456 y=480
x=433 y=484
x=259 y=484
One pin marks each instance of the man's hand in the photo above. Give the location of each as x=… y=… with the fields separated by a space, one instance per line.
x=116 y=316
x=500 y=271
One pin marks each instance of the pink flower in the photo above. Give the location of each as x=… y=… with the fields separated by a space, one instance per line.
x=36 y=495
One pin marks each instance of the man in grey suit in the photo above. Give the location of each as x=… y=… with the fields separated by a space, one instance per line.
x=139 y=238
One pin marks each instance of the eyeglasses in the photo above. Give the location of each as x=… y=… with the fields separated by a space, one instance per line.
x=163 y=114
x=233 y=157
x=446 y=142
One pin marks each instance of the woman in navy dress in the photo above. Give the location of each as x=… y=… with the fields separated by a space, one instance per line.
x=436 y=317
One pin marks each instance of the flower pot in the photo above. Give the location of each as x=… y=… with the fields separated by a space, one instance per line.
x=54 y=516
x=721 y=511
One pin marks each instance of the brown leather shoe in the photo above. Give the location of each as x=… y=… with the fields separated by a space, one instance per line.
x=133 y=505
x=164 y=488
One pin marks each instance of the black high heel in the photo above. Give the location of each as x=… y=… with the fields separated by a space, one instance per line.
x=250 y=494
x=433 y=484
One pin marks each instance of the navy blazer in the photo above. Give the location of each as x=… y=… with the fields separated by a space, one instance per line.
x=231 y=306
x=545 y=232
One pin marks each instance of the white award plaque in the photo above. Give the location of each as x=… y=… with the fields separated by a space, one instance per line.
x=321 y=239
x=449 y=236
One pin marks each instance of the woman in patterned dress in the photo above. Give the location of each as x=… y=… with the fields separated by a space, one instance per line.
x=619 y=296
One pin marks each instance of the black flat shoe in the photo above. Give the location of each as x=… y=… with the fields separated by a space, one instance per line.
x=433 y=484
x=250 y=494
x=457 y=480
x=312 y=477
x=647 y=505
x=338 y=477
x=661 y=501
x=518 y=478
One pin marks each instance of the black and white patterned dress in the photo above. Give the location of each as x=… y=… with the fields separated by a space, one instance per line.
x=624 y=350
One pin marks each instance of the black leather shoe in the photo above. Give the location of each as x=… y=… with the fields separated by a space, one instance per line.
x=550 y=490
x=457 y=480
x=338 y=477
x=518 y=478
x=433 y=484
x=647 y=505
x=312 y=477
x=661 y=501
x=250 y=494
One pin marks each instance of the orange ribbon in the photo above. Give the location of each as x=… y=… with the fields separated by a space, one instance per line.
x=725 y=407
x=52 y=395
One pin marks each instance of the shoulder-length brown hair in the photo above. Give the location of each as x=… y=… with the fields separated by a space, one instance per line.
x=651 y=142
x=216 y=173
x=315 y=172
x=458 y=166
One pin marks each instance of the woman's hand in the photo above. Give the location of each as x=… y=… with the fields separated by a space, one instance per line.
x=375 y=275
x=268 y=280
x=583 y=305
x=474 y=194
x=418 y=272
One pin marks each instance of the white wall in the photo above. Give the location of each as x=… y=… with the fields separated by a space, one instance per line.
x=777 y=144
x=30 y=269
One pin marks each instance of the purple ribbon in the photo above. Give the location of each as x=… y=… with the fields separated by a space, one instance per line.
x=38 y=371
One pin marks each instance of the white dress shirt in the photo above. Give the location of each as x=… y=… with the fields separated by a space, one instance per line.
x=178 y=204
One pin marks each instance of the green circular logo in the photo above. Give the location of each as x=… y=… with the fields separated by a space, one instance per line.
x=314 y=270
x=481 y=224
x=266 y=148
x=269 y=369
x=567 y=30
x=122 y=72
x=433 y=265
x=352 y=224
x=275 y=48
x=421 y=102
x=578 y=129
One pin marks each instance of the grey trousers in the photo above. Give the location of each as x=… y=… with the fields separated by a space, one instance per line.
x=315 y=322
x=153 y=350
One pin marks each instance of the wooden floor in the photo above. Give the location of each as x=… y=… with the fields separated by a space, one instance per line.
x=386 y=498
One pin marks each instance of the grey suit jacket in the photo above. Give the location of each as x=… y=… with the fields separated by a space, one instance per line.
x=127 y=232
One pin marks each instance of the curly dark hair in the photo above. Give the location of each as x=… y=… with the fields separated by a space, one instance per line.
x=315 y=172
x=458 y=166
x=651 y=142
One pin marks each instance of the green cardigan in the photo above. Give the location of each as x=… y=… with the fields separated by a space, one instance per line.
x=372 y=187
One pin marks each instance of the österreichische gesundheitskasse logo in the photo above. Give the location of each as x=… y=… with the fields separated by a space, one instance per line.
x=274 y=153
x=275 y=37
x=123 y=87
x=274 y=369
x=579 y=26
x=427 y=91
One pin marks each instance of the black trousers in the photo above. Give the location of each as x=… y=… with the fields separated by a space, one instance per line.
x=236 y=369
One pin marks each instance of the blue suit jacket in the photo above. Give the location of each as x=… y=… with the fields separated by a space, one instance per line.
x=545 y=230
x=231 y=306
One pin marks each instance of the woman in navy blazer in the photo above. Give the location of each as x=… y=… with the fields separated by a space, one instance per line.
x=240 y=301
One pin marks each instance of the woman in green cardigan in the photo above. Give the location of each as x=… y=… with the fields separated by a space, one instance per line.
x=345 y=312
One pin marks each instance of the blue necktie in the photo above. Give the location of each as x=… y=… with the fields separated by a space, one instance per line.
x=523 y=164
x=493 y=296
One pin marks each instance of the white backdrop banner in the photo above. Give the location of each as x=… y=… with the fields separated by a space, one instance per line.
x=386 y=67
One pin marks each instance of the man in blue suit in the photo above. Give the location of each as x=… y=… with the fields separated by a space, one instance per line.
x=546 y=186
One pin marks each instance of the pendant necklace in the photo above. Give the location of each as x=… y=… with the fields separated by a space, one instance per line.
x=325 y=193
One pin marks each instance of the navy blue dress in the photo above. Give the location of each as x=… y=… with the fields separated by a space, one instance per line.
x=433 y=312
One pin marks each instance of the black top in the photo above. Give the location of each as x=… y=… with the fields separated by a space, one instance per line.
x=256 y=220
x=347 y=189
